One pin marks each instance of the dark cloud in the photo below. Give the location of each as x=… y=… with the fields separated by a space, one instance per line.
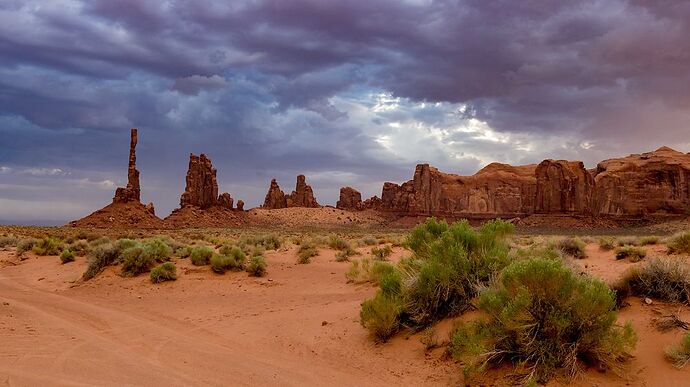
x=355 y=91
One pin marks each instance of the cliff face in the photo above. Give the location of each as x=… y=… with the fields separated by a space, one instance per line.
x=644 y=184
x=564 y=187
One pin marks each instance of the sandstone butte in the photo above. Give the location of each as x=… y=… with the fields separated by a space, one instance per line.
x=647 y=185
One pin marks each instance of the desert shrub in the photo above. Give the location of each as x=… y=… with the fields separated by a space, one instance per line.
x=201 y=255
x=258 y=251
x=257 y=266
x=125 y=243
x=99 y=257
x=306 y=251
x=47 y=246
x=628 y=241
x=8 y=242
x=381 y=253
x=448 y=267
x=337 y=243
x=164 y=272
x=354 y=272
x=536 y=251
x=679 y=354
x=648 y=240
x=25 y=245
x=268 y=242
x=679 y=243
x=369 y=241
x=635 y=254
x=381 y=316
x=344 y=255
x=67 y=256
x=544 y=317
x=664 y=279
x=184 y=252
x=136 y=260
x=573 y=247
x=157 y=250
x=99 y=241
x=222 y=263
x=78 y=247
x=607 y=243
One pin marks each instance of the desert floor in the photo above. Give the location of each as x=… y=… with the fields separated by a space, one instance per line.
x=296 y=326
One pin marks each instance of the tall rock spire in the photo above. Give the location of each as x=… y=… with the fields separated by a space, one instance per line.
x=132 y=192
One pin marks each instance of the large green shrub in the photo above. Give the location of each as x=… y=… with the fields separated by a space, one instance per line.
x=47 y=246
x=67 y=256
x=257 y=266
x=136 y=260
x=448 y=266
x=201 y=255
x=544 y=317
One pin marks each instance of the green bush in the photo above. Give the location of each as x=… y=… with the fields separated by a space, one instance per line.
x=573 y=247
x=164 y=272
x=607 y=243
x=67 y=256
x=664 y=279
x=257 y=266
x=448 y=267
x=78 y=247
x=306 y=251
x=100 y=256
x=184 y=252
x=125 y=243
x=25 y=245
x=268 y=242
x=157 y=250
x=47 y=246
x=649 y=240
x=222 y=263
x=635 y=254
x=381 y=316
x=337 y=243
x=679 y=355
x=344 y=255
x=381 y=253
x=544 y=317
x=201 y=255
x=136 y=260
x=628 y=241
x=679 y=243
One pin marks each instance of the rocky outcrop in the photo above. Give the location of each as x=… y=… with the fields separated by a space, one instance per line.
x=350 y=199
x=132 y=192
x=201 y=190
x=564 y=187
x=275 y=198
x=240 y=205
x=302 y=196
x=652 y=183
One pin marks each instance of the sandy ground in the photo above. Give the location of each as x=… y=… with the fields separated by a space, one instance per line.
x=297 y=326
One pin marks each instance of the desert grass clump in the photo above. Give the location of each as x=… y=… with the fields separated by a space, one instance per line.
x=649 y=240
x=78 y=247
x=542 y=317
x=268 y=242
x=345 y=254
x=257 y=266
x=663 y=279
x=634 y=254
x=381 y=316
x=99 y=257
x=306 y=251
x=201 y=255
x=574 y=247
x=234 y=259
x=369 y=241
x=164 y=272
x=47 y=246
x=381 y=253
x=679 y=243
x=628 y=241
x=8 y=241
x=679 y=354
x=25 y=245
x=67 y=256
x=607 y=243
x=450 y=263
x=337 y=243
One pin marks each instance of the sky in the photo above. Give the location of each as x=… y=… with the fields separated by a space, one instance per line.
x=346 y=92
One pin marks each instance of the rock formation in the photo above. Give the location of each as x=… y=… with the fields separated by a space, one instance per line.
x=132 y=192
x=564 y=187
x=350 y=199
x=275 y=198
x=240 y=205
x=201 y=190
x=302 y=196
x=644 y=184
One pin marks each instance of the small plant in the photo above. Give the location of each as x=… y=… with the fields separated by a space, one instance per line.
x=381 y=253
x=125 y=243
x=99 y=257
x=369 y=241
x=156 y=249
x=381 y=316
x=679 y=243
x=628 y=241
x=7 y=242
x=635 y=254
x=649 y=240
x=345 y=254
x=573 y=247
x=663 y=279
x=306 y=251
x=257 y=266
x=337 y=243
x=25 y=245
x=184 y=252
x=607 y=243
x=47 y=246
x=67 y=256
x=136 y=260
x=164 y=272
x=679 y=354
x=221 y=263
x=201 y=255
x=429 y=339
x=544 y=317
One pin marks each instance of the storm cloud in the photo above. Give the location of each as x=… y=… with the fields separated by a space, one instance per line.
x=347 y=92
